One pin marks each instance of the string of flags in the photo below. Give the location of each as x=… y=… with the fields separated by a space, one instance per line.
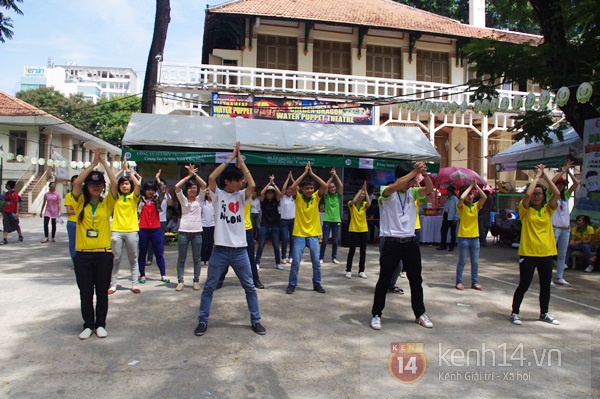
x=57 y=163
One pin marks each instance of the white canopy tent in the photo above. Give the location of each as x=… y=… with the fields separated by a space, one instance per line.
x=522 y=155
x=200 y=132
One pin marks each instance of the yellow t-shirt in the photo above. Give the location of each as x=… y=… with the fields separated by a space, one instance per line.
x=469 y=222
x=418 y=221
x=307 y=222
x=248 y=215
x=358 y=217
x=537 y=234
x=99 y=224
x=582 y=235
x=70 y=201
x=125 y=216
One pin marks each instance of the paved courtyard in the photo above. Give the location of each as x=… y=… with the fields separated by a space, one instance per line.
x=317 y=345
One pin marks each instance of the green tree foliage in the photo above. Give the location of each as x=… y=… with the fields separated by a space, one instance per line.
x=568 y=57
x=111 y=117
x=108 y=119
x=6 y=25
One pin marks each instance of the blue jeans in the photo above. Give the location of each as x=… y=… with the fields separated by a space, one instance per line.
x=208 y=241
x=561 y=236
x=220 y=260
x=468 y=246
x=154 y=236
x=299 y=244
x=587 y=250
x=196 y=241
x=71 y=229
x=266 y=232
x=334 y=227
x=287 y=227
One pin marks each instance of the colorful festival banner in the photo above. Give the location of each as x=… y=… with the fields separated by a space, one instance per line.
x=588 y=196
x=314 y=111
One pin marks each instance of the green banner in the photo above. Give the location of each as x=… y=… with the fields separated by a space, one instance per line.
x=267 y=158
x=555 y=162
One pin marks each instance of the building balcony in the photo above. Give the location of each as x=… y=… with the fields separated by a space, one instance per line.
x=187 y=87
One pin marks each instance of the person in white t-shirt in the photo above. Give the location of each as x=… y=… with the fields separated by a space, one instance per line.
x=287 y=209
x=190 y=224
x=230 y=238
x=398 y=217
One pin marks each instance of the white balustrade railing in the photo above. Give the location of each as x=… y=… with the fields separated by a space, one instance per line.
x=178 y=78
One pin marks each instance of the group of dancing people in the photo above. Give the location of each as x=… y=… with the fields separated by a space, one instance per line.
x=135 y=209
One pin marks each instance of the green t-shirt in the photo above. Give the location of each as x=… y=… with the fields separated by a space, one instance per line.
x=332 y=207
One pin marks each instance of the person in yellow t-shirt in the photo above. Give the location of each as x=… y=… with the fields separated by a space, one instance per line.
x=125 y=227
x=581 y=240
x=94 y=258
x=71 y=221
x=468 y=233
x=358 y=231
x=537 y=247
x=307 y=227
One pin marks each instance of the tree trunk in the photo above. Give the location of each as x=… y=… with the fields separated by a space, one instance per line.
x=161 y=25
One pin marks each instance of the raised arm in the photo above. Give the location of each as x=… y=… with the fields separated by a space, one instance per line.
x=464 y=195
x=323 y=186
x=133 y=176
x=428 y=189
x=551 y=187
x=336 y=180
x=403 y=183
x=295 y=184
x=114 y=187
x=247 y=175
x=78 y=182
x=287 y=180
x=212 y=178
x=187 y=178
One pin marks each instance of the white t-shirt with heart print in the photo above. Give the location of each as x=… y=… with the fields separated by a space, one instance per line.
x=230 y=226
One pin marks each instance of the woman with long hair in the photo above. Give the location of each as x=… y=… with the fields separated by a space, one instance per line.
x=537 y=248
x=94 y=258
x=190 y=224
x=52 y=206
x=125 y=227
x=148 y=209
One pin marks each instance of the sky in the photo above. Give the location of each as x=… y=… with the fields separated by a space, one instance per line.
x=112 y=33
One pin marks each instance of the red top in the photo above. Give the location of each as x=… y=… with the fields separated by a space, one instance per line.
x=149 y=218
x=11 y=202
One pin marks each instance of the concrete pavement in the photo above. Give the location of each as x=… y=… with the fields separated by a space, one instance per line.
x=317 y=345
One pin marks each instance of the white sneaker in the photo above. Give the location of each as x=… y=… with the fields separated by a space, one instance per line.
x=284 y=260
x=376 y=323
x=348 y=274
x=258 y=266
x=179 y=287
x=289 y=260
x=362 y=274
x=321 y=261
x=515 y=319
x=589 y=269
x=101 y=332
x=337 y=262
x=424 y=321
x=552 y=284
x=562 y=281
x=85 y=334
x=196 y=286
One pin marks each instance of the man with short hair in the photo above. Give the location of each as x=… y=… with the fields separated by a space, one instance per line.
x=398 y=217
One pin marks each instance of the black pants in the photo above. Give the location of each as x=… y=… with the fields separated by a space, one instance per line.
x=527 y=267
x=448 y=224
x=410 y=255
x=46 y=221
x=355 y=239
x=208 y=242
x=93 y=272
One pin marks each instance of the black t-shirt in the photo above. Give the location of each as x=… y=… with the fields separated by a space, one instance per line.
x=270 y=213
